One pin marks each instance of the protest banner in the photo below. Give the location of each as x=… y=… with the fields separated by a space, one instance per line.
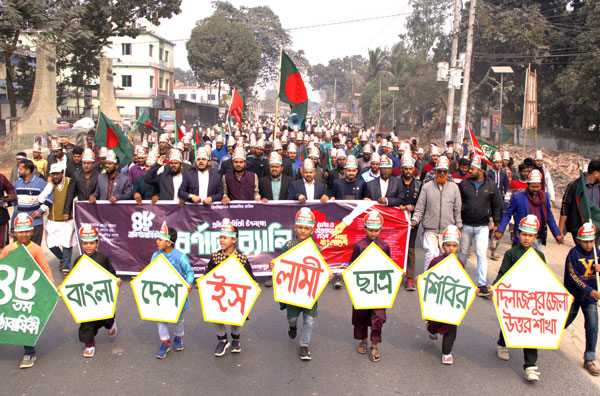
x=532 y=304
x=373 y=279
x=227 y=293
x=160 y=291
x=300 y=275
x=27 y=298
x=446 y=292
x=90 y=291
x=128 y=231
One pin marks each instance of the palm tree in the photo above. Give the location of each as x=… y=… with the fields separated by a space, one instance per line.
x=377 y=63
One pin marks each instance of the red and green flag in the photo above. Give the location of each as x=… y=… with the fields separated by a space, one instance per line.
x=145 y=120
x=485 y=150
x=292 y=89
x=110 y=136
x=178 y=132
x=236 y=107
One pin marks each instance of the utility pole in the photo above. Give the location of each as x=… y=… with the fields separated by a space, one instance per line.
x=462 y=118
x=453 y=64
x=334 y=98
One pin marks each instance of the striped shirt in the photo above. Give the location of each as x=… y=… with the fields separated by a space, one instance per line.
x=35 y=195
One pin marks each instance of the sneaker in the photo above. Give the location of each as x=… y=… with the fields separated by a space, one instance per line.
x=337 y=282
x=502 y=353
x=591 y=367
x=65 y=272
x=292 y=331
x=532 y=374
x=410 y=285
x=28 y=361
x=222 y=347
x=89 y=352
x=304 y=353
x=269 y=282
x=113 y=330
x=447 y=359
x=235 y=346
x=163 y=350
x=483 y=291
x=177 y=344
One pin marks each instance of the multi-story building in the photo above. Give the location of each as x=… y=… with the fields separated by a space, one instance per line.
x=197 y=94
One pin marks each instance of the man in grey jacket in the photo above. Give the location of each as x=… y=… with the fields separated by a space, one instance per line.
x=438 y=206
x=112 y=185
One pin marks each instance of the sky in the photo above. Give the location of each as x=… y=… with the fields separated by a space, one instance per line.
x=320 y=44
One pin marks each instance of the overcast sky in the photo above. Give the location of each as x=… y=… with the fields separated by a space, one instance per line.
x=320 y=44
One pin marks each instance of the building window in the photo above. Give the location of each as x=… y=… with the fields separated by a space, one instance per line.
x=166 y=56
x=193 y=96
x=160 y=83
x=166 y=85
x=150 y=50
x=126 y=49
x=151 y=81
x=126 y=81
x=182 y=97
x=211 y=96
x=160 y=53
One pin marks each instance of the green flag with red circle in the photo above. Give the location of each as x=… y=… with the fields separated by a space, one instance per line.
x=291 y=87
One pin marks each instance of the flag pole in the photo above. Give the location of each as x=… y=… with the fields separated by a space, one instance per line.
x=278 y=88
x=134 y=124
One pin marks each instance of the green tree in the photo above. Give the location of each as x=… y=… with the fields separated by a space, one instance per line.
x=222 y=51
x=269 y=35
x=425 y=25
x=185 y=76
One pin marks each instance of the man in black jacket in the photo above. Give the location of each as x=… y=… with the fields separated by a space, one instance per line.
x=274 y=187
x=259 y=164
x=480 y=196
x=409 y=190
x=83 y=184
x=203 y=183
x=169 y=181
x=569 y=212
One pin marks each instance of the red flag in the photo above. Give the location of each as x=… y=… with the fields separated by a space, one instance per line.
x=477 y=147
x=236 y=107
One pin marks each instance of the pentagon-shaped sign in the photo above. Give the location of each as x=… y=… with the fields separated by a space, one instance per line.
x=227 y=293
x=90 y=291
x=160 y=291
x=446 y=292
x=373 y=279
x=300 y=275
x=27 y=298
x=532 y=304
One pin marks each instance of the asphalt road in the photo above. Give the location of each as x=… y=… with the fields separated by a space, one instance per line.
x=269 y=362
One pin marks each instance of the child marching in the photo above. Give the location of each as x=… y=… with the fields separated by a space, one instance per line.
x=166 y=246
x=581 y=268
x=527 y=233
x=362 y=319
x=88 y=330
x=228 y=241
x=304 y=228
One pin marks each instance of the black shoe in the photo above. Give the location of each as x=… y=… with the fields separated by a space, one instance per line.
x=337 y=282
x=292 y=331
x=483 y=291
x=222 y=347
x=235 y=346
x=304 y=353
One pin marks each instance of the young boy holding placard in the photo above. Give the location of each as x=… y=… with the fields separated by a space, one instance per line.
x=228 y=241
x=304 y=228
x=528 y=230
x=375 y=318
x=450 y=242
x=581 y=268
x=23 y=231
x=166 y=246
x=88 y=330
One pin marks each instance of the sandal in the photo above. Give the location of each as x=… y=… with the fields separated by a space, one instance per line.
x=362 y=348
x=591 y=367
x=374 y=356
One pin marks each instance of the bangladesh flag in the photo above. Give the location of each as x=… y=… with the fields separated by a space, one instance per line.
x=236 y=107
x=145 y=120
x=587 y=209
x=110 y=136
x=291 y=88
x=485 y=150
